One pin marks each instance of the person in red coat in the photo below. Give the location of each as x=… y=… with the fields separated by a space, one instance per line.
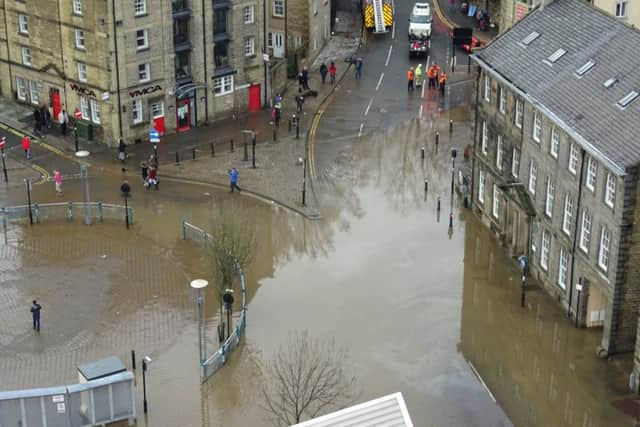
x=26 y=146
x=332 y=72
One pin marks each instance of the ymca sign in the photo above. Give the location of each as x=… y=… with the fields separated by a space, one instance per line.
x=82 y=90
x=146 y=91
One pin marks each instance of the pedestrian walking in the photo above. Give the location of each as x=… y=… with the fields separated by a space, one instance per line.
x=436 y=69
x=47 y=116
x=305 y=78
x=358 y=68
x=153 y=162
x=419 y=75
x=153 y=178
x=35 y=314
x=122 y=150
x=323 y=72
x=63 y=119
x=410 y=77
x=144 y=169
x=233 y=179
x=125 y=189
x=443 y=82
x=432 y=77
x=300 y=82
x=57 y=177
x=37 y=118
x=299 y=102
x=332 y=72
x=26 y=146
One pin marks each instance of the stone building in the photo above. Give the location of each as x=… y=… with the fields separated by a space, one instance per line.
x=510 y=12
x=128 y=66
x=556 y=157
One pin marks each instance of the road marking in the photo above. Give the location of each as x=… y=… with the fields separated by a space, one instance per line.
x=393 y=23
x=360 y=131
x=481 y=380
x=366 y=112
x=423 y=85
x=420 y=111
x=379 y=81
x=388 y=56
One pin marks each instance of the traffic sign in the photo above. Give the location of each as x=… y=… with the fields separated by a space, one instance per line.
x=3 y=141
x=77 y=114
x=154 y=136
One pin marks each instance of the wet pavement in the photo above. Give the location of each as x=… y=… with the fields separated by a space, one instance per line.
x=426 y=309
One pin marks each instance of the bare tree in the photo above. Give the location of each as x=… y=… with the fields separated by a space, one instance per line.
x=233 y=248
x=305 y=379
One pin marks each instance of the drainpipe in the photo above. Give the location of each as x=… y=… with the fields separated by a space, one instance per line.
x=6 y=38
x=115 y=48
x=575 y=233
x=265 y=50
x=204 y=53
x=475 y=133
x=64 y=71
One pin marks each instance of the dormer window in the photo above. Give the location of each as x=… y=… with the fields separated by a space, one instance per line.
x=628 y=99
x=531 y=37
x=556 y=55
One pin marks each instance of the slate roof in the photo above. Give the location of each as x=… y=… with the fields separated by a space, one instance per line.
x=582 y=106
x=387 y=411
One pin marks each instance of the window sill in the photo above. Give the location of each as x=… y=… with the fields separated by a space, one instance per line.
x=23 y=34
x=223 y=94
x=249 y=22
x=140 y=15
x=277 y=16
x=139 y=124
x=144 y=81
x=142 y=49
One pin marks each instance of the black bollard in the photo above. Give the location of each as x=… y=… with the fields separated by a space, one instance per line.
x=177 y=157
x=133 y=360
x=450 y=126
x=274 y=134
x=450 y=220
x=289 y=125
x=422 y=153
x=297 y=128
x=194 y=153
x=468 y=63
x=452 y=179
x=438 y=204
x=231 y=145
x=246 y=151
x=437 y=138
x=213 y=151
x=253 y=151
x=426 y=185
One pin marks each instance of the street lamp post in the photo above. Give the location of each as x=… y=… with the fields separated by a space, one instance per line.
x=84 y=183
x=3 y=141
x=304 y=182
x=523 y=265
x=579 y=289
x=27 y=181
x=145 y=361
x=253 y=150
x=126 y=190
x=227 y=298
x=199 y=285
x=75 y=132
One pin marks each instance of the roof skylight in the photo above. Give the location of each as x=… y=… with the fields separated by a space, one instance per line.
x=531 y=37
x=610 y=82
x=628 y=99
x=556 y=55
x=585 y=68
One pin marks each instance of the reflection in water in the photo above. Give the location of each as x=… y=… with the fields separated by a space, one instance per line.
x=540 y=368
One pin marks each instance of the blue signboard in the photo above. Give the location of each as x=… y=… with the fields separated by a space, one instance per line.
x=154 y=136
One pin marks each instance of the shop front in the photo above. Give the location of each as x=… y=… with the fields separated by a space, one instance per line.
x=186 y=114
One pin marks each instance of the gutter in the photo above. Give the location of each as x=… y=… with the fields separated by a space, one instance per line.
x=115 y=48
x=593 y=151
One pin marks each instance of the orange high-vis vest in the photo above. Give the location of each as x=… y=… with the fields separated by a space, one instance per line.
x=410 y=75
x=437 y=69
x=443 y=78
x=432 y=72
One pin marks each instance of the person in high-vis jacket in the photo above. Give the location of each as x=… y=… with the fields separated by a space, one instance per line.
x=410 y=78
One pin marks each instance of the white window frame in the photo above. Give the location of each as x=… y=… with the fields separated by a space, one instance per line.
x=585 y=232
x=33 y=92
x=502 y=103
x=567 y=217
x=248 y=14
x=499 y=153
x=554 y=143
x=249 y=46
x=157 y=109
x=519 y=113
x=224 y=85
x=604 y=249
x=144 y=72
x=23 y=23
x=545 y=248
x=481 y=184
x=563 y=268
x=487 y=88
x=621 y=8
x=136 y=111
x=82 y=71
x=144 y=38
x=592 y=174
x=26 y=55
x=550 y=197
x=485 y=138
x=610 y=190
x=537 y=126
x=515 y=161
x=79 y=37
x=95 y=110
x=139 y=7
x=85 y=110
x=77 y=7
x=495 y=208
x=278 y=8
x=573 y=159
x=21 y=89
x=533 y=176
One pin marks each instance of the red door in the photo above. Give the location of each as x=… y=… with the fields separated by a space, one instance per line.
x=55 y=104
x=183 y=115
x=254 y=98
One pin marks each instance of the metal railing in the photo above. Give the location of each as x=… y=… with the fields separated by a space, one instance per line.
x=96 y=402
x=64 y=210
x=220 y=357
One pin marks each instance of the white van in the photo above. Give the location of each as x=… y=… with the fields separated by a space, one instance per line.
x=420 y=20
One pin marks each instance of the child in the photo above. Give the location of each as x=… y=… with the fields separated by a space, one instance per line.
x=57 y=176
